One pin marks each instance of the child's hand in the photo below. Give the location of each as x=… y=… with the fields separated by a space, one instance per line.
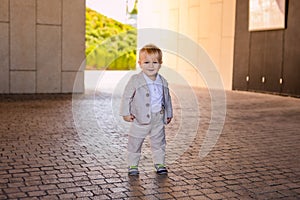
x=169 y=120
x=128 y=118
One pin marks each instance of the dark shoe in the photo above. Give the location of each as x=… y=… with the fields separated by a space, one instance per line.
x=160 y=169
x=133 y=171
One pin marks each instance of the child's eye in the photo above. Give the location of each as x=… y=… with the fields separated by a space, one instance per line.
x=155 y=62
x=146 y=62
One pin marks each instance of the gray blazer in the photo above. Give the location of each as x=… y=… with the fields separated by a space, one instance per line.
x=136 y=100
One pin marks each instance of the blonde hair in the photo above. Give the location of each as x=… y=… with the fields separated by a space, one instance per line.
x=151 y=49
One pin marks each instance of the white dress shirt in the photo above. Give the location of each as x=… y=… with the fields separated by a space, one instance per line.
x=156 y=92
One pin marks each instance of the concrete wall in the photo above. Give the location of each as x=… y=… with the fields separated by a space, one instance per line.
x=42 y=46
x=42 y=41
x=208 y=23
x=267 y=60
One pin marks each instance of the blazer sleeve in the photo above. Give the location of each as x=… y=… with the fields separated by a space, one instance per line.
x=127 y=97
x=169 y=107
x=167 y=100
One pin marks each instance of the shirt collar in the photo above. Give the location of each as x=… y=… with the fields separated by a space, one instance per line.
x=148 y=80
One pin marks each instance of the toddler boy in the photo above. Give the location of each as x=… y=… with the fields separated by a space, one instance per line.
x=146 y=103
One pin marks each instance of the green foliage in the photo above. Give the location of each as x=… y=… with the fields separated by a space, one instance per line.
x=109 y=43
x=134 y=10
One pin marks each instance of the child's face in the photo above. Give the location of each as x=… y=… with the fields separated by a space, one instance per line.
x=150 y=65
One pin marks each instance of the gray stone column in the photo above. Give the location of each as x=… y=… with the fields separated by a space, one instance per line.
x=42 y=46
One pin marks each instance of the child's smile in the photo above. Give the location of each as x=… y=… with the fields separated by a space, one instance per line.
x=150 y=65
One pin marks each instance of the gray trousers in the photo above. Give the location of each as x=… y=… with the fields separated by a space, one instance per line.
x=137 y=135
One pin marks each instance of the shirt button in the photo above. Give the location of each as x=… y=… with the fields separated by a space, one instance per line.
x=147 y=104
x=148 y=116
x=147 y=95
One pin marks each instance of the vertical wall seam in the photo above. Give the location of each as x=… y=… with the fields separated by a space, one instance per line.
x=9 y=48
x=249 y=57
x=178 y=38
x=282 y=62
x=221 y=42
x=61 y=45
x=234 y=49
x=264 y=74
x=36 y=43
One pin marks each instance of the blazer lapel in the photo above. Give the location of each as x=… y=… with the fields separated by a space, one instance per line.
x=141 y=81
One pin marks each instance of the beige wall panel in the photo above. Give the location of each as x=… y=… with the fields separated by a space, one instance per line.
x=151 y=35
x=49 y=12
x=215 y=19
x=169 y=60
x=204 y=43
x=207 y=22
x=193 y=2
x=146 y=9
x=215 y=33
x=216 y=1
x=191 y=76
x=204 y=19
x=153 y=21
x=213 y=81
x=188 y=50
x=228 y=24
x=4 y=58
x=22 y=34
x=157 y=4
x=226 y=60
x=165 y=13
x=173 y=20
x=193 y=25
x=73 y=34
x=48 y=59
x=183 y=18
x=173 y=4
x=207 y=67
x=22 y=82
x=200 y=82
x=72 y=82
x=182 y=69
x=147 y=20
x=214 y=50
x=4 y=10
x=187 y=71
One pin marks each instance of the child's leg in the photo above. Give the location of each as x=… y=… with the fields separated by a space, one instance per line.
x=134 y=150
x=158 y=148
x=158 y=140
x=136 y=138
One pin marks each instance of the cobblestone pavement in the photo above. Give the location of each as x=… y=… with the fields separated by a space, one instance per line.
x=44 y=156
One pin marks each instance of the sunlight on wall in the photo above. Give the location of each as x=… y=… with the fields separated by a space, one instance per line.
x=115 y=9
x=208 y=23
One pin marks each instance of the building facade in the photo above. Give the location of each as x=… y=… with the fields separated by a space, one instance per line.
x=267 y=60
x=42 y=45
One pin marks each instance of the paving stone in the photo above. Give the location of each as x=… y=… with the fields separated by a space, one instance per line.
x=83 y=194
x=44 y=156
x=67 y=196
x=48 y=197
x=55 y=192
x=215 y=196
x=16 y=195
x=37 y=193
x=118 y=195
x=164 y=196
